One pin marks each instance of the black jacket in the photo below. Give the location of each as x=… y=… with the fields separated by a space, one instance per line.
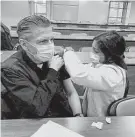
x=33 y=92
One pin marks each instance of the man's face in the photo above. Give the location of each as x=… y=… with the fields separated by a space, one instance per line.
x=40 y=43
x=41 y=37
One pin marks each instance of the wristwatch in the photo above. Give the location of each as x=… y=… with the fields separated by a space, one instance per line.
x=78 y=115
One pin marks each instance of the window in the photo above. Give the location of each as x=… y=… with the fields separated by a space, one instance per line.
x=117 y=12
x=38 y=7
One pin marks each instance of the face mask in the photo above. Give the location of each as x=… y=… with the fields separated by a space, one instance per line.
x=42 y=53
x=45 y=53
x=94 y=58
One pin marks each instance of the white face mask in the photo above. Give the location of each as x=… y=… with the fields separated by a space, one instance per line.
x=43 y=53
x=94 y=58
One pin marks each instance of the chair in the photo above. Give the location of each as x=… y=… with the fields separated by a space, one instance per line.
x=85 y=49
x=56 y=34
x=58 y=48
x=122 y=107
x=132 y=36
x=132 y=49
x=79 y=34
x=129 y=54
x=127 y=49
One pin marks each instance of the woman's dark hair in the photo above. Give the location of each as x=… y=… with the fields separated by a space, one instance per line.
x=113 y=46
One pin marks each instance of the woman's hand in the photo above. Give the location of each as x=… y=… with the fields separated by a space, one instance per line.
x=59 y=51
x=69 y=49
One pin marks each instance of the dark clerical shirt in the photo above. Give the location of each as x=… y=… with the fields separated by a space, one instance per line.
x=33 y=92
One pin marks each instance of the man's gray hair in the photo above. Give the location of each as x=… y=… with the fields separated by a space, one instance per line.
x=26 y=25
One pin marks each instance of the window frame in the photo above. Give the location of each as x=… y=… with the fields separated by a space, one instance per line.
x=118 y=8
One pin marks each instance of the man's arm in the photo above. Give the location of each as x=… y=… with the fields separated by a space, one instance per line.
x=28 y=98
x=73 y=97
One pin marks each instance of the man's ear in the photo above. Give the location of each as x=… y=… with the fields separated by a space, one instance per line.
x=23 y=44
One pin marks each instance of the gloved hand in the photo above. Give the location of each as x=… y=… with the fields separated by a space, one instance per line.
x=59 y=51
x=69 y=49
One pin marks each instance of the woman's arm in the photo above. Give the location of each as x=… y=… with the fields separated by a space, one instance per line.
x=102 y=78
x=73 y=97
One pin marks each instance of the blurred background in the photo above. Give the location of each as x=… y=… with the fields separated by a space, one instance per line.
x=84 y=11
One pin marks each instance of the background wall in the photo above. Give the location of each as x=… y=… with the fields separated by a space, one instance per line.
x=80 y=10
x=13 y=11
x=65 y=10
x=93 y=11
x=132 y=14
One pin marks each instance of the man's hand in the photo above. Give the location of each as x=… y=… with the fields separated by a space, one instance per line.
x=56 y=62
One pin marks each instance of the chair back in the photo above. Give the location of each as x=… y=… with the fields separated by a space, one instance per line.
x=57 y=48
x=132 y=49
x=85 y=49
x=122 y=107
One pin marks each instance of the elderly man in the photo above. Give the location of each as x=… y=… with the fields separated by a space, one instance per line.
x=36 y=81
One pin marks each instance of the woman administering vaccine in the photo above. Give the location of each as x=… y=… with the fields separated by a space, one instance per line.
x=104 y=78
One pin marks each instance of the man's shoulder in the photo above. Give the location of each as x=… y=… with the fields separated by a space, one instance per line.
x=63 y=73
x=13 y=61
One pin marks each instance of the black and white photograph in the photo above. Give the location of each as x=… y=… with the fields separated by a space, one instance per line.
x=67 y=68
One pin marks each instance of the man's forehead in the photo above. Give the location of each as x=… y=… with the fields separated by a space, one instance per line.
x=42 y=32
